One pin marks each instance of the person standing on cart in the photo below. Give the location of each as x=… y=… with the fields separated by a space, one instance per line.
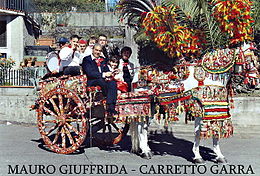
x=53 y=59
x=91 y=42
x=108 y=49
x=126 y=66
x=70 y=58
x=94 y=66
x=81 y=49
x=102 y=40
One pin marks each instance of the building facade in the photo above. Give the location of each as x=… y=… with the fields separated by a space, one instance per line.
x=17 y=29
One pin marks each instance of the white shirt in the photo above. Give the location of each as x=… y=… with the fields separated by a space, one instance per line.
x=117 y=77
x=82 y=55
x=130 y=67
x=93 y=58
x=88 y=51
x=66 y=55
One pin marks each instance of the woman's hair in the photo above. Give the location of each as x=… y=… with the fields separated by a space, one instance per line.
x=75 y=36
x=102 y=35
x=92 y=38
x=126 y=48
x=114 y=59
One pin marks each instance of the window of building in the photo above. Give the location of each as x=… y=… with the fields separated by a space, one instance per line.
x=3 y=34
x=3 y=55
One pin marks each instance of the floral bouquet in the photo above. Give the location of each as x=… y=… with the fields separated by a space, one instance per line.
x=6 y=63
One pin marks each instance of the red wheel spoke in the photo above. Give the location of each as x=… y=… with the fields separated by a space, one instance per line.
x=63 y=138
x=67 y=104
x=73 y=120
x=61 y=104
x=54 y=106
x=69 y=136
x=73 y=111
x=52 y=129
x=49 y=121
x=49 y=111
x=71 y=127
x=56 y=136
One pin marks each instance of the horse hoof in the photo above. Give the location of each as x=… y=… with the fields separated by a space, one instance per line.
x=221 y=160
x=199 y=161
x=137 y=152
x=146 y=155
x=150 y=154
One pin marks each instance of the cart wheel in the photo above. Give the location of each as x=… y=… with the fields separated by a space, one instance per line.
x=105 y=131
x=61 y=120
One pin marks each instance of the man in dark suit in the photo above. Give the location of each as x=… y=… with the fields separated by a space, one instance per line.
x=96 y=70
x=108 y=49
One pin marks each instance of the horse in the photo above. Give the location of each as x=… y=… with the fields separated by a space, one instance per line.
x=203 y=92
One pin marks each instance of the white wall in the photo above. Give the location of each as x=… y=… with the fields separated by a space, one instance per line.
x=14 y=34
x=93 y=19
x=246 y=111
x=15 y=103
x=129 y=41
x=17 y=38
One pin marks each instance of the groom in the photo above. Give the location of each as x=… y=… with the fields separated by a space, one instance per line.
x=96 y=70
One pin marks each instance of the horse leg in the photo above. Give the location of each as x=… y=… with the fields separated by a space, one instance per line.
x=220 y=157
x=143 y=139
x=134 y=137
x=196 y=151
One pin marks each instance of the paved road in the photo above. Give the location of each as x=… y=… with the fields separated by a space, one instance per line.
x=21 y=150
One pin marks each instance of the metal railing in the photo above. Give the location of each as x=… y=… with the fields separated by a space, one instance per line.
x=29 y=7
x=25 y=6
x=22 y=77
x=19 y=5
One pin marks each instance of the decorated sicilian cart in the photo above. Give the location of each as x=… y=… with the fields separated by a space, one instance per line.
x=68 y=111
x=211 y=45
x=199 y=83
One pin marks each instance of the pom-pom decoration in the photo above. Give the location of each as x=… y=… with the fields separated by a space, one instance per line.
x=235 y=19
x=174 y=39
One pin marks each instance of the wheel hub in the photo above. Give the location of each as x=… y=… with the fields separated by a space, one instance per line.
x=62 y=119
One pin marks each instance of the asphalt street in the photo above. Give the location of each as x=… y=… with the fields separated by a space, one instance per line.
x=23 y=152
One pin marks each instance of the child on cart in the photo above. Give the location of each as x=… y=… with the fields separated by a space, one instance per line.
x=117 y=74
